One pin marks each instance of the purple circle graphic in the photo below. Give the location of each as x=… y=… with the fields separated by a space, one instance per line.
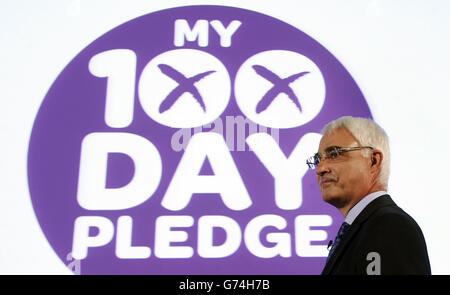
x=176 y=144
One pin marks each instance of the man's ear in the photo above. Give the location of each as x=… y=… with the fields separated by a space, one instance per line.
x=376 y=158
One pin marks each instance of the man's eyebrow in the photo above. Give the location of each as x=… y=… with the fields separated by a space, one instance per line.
x=331 y=148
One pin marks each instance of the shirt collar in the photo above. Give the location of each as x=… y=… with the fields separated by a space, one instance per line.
x=354 y=212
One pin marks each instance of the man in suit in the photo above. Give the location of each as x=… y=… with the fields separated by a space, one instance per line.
x=377 y=237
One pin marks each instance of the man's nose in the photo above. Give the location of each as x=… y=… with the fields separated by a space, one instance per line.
x=322 y=168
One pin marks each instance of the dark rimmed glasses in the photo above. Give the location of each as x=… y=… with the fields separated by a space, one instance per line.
x=332 y=153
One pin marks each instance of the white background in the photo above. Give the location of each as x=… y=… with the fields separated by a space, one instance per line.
x=397 y=51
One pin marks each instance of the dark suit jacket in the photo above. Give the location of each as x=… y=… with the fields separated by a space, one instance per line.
x=393 y=238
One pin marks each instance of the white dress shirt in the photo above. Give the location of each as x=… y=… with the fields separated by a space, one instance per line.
x=354 y=212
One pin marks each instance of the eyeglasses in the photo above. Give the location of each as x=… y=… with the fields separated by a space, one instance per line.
x=331 y=153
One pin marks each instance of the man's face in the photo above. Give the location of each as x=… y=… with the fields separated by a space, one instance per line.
x=346 y=179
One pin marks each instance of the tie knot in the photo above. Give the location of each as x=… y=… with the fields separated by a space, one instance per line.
x=343 y=229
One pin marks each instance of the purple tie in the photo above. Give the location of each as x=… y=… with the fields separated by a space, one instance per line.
x=342 y=230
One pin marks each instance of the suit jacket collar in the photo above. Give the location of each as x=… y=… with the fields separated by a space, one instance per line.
x=379 y=202
x=373 y=206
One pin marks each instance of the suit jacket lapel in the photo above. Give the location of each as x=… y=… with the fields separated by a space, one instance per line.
x=381 y=201
x=342 y=245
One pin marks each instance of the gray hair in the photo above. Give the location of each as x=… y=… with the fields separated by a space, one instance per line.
x=368 y=133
